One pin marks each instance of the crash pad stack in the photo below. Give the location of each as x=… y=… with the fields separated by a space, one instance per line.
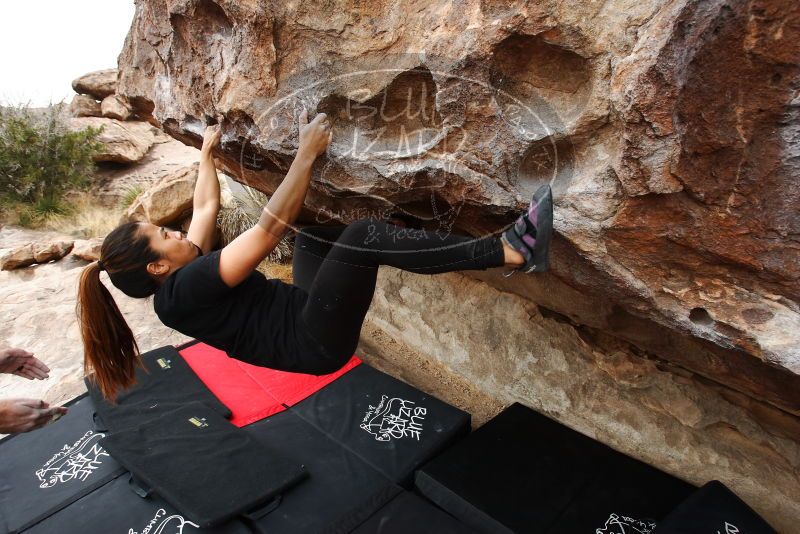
x=205 y=443
x=523 y=472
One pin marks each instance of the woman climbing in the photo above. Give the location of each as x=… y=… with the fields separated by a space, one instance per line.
x=218 y=297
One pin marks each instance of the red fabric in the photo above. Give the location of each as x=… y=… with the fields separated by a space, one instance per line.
x=251 y=392
x=247 y=400
x=291 y=388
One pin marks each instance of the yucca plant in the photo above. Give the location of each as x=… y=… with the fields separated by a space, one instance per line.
x=242 y=213
x=130 y=194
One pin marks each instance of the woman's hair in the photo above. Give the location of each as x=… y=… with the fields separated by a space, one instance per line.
x=111 y=354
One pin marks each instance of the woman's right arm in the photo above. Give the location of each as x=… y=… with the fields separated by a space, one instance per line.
x=242 y=255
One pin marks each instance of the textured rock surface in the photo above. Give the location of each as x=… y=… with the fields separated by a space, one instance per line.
x=45 y=252
x=668 y=131
x=123 y=142
x=20 y=256
x=98 y=84
x=169 y=200
x=87 y=249
x=116 y=107
x=592 y=382
x=84 y=106
x=37 y=252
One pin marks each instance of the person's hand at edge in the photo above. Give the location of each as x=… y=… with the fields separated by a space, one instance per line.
x=22 y=363
x=24 y=415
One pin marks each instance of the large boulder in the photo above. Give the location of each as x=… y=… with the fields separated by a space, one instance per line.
x=84 y=106
x=116 y=107
x=123 y=142
x=668 y=131
x=98 y=84
x=168 y=201
x=88 y=249
x=673 y=207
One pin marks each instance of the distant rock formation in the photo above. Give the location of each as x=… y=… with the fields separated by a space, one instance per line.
x=116 y=107
x=34 y=252
x=85 y=106
x=98 y=84
x=168 y=201
x=123 y=142
x=97 y=105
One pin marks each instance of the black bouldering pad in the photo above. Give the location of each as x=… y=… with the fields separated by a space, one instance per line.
x=713 y=508
x=409 y=513
x=44 y=471
x=201 y=464
x=164 y=384
x=525 y=473
x=626 y=493
x=340 y=492
x=114 y=507
x=387 y=423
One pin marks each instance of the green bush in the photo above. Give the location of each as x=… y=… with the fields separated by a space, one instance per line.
x=40 y=159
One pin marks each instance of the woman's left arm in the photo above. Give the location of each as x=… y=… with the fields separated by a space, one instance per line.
x=206 y=194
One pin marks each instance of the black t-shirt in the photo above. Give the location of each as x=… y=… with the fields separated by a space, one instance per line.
x=257 y=321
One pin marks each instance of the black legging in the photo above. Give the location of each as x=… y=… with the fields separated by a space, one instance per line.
x=340 y=280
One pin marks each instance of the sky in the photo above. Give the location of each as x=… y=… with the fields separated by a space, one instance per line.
x=45 y=44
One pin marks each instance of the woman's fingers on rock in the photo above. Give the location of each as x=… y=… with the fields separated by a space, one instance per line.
x=303 y=117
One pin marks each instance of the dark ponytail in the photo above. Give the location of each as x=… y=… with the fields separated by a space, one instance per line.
x=111 y=354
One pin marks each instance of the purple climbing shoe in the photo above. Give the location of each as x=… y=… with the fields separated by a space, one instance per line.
x=531 y=233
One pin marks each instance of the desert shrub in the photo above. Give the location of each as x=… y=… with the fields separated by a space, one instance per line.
x=41 y=159
x=130 y=195
x=243 y=214
x=87 y=217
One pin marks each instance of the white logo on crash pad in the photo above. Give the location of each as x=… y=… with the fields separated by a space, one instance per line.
x=164 y=524
x=76 y=461
x=620 y=524
x=394 y=418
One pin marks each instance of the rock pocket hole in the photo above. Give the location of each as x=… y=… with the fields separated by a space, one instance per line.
x=399 y=121
x=554 y=81
x=205 y=33
x=546 y=161
x=700 y=316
